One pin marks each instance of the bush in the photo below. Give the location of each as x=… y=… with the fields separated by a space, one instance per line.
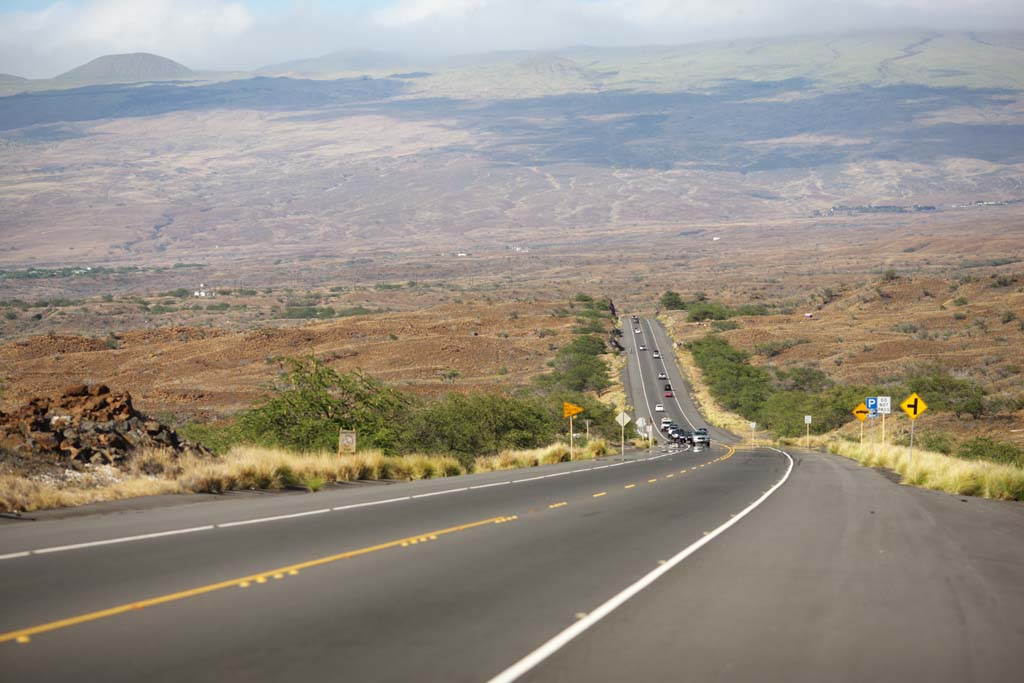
x=942 y=391
x=671 y=301
x=482 y=424
x=724 y=325
x=984 y=448
x=311 y=402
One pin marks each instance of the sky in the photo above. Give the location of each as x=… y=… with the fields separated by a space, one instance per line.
x=42 y=38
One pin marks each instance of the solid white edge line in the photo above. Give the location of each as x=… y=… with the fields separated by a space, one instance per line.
x=441 y=493
x=371 y=503
x=174 y=532
x=124 y=539
x=552 y=646
x=261 y=520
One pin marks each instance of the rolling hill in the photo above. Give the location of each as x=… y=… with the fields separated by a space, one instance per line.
x=137 y=67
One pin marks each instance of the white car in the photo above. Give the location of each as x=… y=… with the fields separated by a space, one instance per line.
x=657 y=353
x=662 y=375
x=658 y=408
x=636 y=330
x=642 y=347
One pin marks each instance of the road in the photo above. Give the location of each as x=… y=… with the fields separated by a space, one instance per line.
x=729 y=564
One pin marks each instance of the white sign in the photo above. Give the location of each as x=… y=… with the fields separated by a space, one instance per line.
x=884 y=405
x=807 y=419
x=753 y=425
x=622 y=419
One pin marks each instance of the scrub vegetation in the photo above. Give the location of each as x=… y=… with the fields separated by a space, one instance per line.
x=155 y=472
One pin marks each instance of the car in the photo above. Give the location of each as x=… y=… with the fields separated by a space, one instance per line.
x=658 y=408
x=668 y=394
x=666 y=422
x=668 y=387
x=636 y=330
x=662 y=375
x=656 y=354
x=642 y=347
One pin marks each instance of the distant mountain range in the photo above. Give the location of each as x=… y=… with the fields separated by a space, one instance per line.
x=341 y=61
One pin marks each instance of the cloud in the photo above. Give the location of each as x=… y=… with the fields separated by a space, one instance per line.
x=245 y=34
x=66 y=33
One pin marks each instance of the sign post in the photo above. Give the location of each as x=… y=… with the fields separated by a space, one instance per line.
x=913 y=406
x=884 y=408
x=568 y=411
x=872 y=403
x=623 y=420
x=861 y=413
x=807 y=423
x=753 y=426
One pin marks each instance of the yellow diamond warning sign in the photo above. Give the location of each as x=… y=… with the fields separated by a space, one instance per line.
x=861 y=412
x=913 y=406
x=570 y=409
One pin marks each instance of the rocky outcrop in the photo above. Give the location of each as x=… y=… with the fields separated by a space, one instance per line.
x=86 y=424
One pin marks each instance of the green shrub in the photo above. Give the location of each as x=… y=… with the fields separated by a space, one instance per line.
x=984 y=448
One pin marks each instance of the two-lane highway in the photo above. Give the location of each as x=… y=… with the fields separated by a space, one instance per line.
x=727 y=564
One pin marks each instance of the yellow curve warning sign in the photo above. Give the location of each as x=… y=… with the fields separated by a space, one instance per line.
x=570 y=409
x=861 y=412
x=913 y=406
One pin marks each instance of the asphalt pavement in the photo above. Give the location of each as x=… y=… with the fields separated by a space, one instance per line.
x=728 y=564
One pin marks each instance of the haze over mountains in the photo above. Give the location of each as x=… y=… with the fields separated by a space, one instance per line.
x=136 y=157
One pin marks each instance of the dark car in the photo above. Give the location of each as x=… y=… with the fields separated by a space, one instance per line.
x=668 y=387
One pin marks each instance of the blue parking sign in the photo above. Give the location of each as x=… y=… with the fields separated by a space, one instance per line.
x=871 y=402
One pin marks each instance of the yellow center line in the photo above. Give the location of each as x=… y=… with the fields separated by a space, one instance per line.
x=651 y=481
x=25 y=634
x=629 y=486
x=558 y=505
x=669 y=476
x=598 y=495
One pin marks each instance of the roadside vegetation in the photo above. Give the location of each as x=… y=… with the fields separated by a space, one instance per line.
x=155 y=472
x=778 y=399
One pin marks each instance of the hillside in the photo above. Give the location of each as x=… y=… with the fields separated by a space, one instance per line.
x=138 y=67
x=338 y=62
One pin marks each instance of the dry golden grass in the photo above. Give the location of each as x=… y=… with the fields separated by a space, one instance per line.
x=25 y=495
x=153 y=472
x=936 y=471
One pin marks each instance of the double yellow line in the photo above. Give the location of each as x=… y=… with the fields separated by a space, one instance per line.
x=25 y=635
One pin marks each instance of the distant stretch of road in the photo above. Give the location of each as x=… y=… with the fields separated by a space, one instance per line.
x=729 y=564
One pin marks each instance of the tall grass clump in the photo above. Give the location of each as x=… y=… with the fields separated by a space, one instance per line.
x=939 y=472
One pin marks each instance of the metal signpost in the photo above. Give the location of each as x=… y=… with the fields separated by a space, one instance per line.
x=753 y=426
x=884 y=408
x=913 y=406
x=623 y=420
x=872 y=404
x=807 y=423
x=861 y=412
x=568 y=411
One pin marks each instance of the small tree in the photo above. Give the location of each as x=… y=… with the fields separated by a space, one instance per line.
x=672 y=301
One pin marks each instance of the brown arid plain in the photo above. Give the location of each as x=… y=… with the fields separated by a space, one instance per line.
x=433 y=229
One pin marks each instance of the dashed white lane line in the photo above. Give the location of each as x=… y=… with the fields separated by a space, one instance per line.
x=275 y=518
x=370 y=504
x=262 y=520
x=442 y=493
x=524 y=665
x=124 y=539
